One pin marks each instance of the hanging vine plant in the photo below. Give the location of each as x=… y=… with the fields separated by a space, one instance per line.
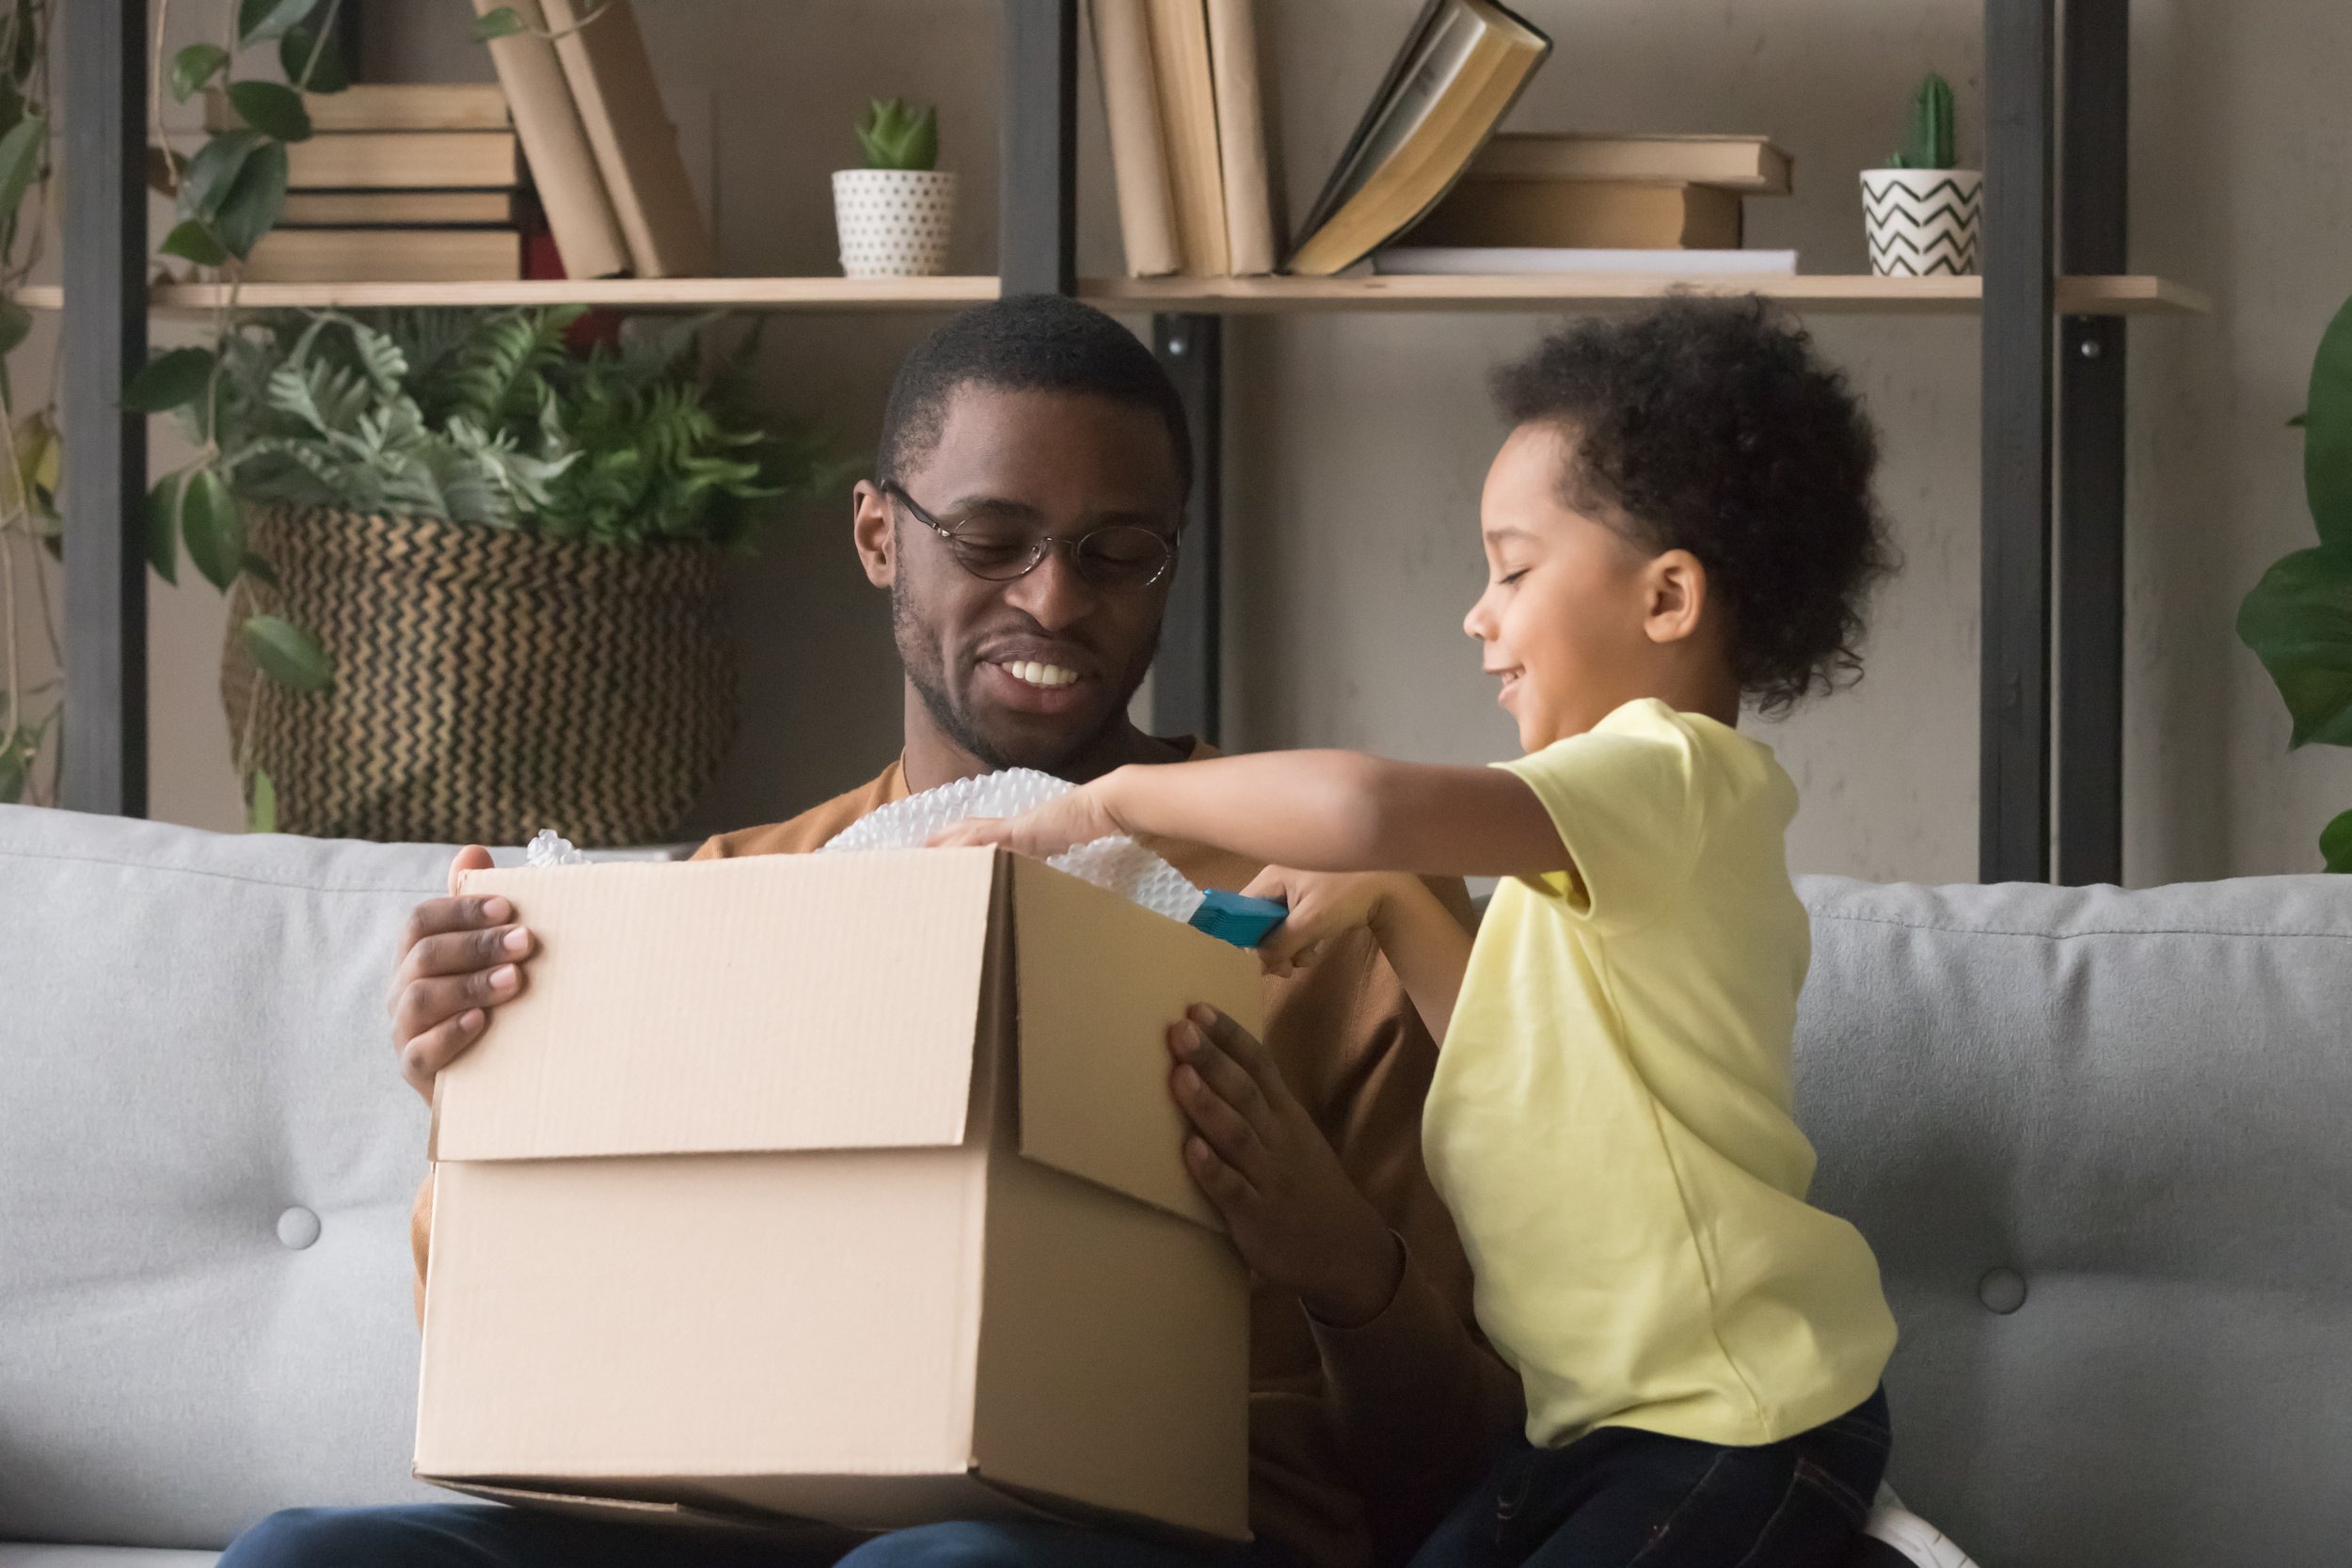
x=228 y=194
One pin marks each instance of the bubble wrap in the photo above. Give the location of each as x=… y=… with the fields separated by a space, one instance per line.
x=1119 y=865
x=550 y=847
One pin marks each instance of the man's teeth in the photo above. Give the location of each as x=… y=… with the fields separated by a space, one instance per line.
x=1040 y=674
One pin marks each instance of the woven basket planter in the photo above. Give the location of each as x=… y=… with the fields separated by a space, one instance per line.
x=1922 y=222
x=487 y=684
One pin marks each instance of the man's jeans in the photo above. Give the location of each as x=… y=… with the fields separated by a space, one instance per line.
x=465 y=1535
x=1620 y=1496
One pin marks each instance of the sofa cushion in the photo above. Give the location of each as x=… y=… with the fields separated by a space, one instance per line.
x=2099 y=1140
x=205 y=1179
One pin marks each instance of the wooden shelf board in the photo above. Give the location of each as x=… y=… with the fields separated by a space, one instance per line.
x=2104 y=297
x=1569 y=291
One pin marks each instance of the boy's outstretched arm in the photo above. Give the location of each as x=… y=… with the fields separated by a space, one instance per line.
x=1316 y=811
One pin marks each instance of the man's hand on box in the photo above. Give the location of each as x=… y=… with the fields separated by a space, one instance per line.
x=1293 y=1214
x=459 y=957
x=1077 y=818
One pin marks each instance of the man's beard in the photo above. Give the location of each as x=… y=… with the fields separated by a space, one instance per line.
x=927 y=671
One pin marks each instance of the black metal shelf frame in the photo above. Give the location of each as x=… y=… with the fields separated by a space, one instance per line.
x=2052 y=439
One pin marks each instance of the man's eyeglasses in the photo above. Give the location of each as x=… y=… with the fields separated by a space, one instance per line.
x=1116 y=556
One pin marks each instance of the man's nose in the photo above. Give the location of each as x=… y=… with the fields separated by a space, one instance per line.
x=1053 y=592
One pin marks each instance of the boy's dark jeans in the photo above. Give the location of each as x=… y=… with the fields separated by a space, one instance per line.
x=1618 y=1497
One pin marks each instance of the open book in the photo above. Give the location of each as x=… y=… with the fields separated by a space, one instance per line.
x=1460 y=70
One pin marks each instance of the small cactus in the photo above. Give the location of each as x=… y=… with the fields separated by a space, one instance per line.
x=898 y=135
x=1930 y=142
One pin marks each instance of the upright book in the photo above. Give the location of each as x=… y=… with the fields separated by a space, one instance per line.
x=1187 y=80
x=1131 y=113
x=611 y=81
x=1240 y=135
x=1462 y=67
x=563 y=166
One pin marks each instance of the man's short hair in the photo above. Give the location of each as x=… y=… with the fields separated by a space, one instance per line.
x=1025 y=343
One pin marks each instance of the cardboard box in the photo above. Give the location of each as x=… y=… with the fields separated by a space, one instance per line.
x=837 y=1187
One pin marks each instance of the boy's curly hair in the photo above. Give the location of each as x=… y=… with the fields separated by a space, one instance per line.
x=1712 y=426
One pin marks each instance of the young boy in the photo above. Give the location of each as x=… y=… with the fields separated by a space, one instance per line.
x=1680 y=522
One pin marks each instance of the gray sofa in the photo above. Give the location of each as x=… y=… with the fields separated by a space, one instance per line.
x=2099 y=1139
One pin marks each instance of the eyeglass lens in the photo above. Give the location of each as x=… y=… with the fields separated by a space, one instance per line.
x=1119 y=556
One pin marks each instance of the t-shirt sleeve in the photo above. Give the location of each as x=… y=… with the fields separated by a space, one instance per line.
x=1629 y=807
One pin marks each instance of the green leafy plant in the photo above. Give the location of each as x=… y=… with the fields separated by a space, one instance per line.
x=1932 y=140
x=898 y=135
x=29 y=455
x=481 y=416
x=2299 y=618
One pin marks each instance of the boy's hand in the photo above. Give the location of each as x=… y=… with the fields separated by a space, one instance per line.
x=1077 y=818
x=1293 y=1214
x=1321 y=904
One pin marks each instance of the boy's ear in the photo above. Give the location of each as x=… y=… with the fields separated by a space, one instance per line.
x=1675 y=585
x=873 y=527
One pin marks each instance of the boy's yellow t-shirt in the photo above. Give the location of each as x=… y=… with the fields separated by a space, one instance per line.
x=1610 y=1120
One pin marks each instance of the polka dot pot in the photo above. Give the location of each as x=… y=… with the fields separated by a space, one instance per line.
x=893 y=222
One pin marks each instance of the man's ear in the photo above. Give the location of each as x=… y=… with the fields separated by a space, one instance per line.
x=1674 y=594
x=876 y=533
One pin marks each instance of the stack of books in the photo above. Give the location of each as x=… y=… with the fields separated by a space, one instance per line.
x=397 y=184
x=1592 y=203
x=1183 y=102
x=567 y=166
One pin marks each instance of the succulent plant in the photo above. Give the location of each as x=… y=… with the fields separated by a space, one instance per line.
x=1931 y=143
x=899 y=135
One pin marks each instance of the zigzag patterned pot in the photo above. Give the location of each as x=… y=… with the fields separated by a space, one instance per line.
x=487 y=684
x=1923 y=221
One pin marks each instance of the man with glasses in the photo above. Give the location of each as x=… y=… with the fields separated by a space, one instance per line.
x=1026 y=516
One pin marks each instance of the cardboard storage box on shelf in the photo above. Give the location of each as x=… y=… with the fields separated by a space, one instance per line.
x=836 y=1187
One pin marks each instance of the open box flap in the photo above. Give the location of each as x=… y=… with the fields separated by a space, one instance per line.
x=1101 y=980
x=773 y=1003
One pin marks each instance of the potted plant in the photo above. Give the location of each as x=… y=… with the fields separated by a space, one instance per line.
x=2299 y=618
x=897 y=214
x=1922 y=215
x=474 y=578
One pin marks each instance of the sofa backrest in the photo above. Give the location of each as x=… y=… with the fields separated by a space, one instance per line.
x=2103 y=1145
x=206 y=1161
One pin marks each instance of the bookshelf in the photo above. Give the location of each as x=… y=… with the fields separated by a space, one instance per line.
x=1813 y=293
x=2053 y=300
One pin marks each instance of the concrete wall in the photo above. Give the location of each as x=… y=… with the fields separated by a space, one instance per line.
x=1356 y=442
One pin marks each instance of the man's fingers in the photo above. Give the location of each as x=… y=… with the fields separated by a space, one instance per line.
x=423 y=1058
x=1233 y=1082
x=1225 y=1187
x=1216 y=1118
x=423 y=1006
x=438 y=917
x=1240 y=1045
x=473 y=857
x=466 y=952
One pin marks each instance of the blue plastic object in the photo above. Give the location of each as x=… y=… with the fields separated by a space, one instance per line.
x=1230 y=917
